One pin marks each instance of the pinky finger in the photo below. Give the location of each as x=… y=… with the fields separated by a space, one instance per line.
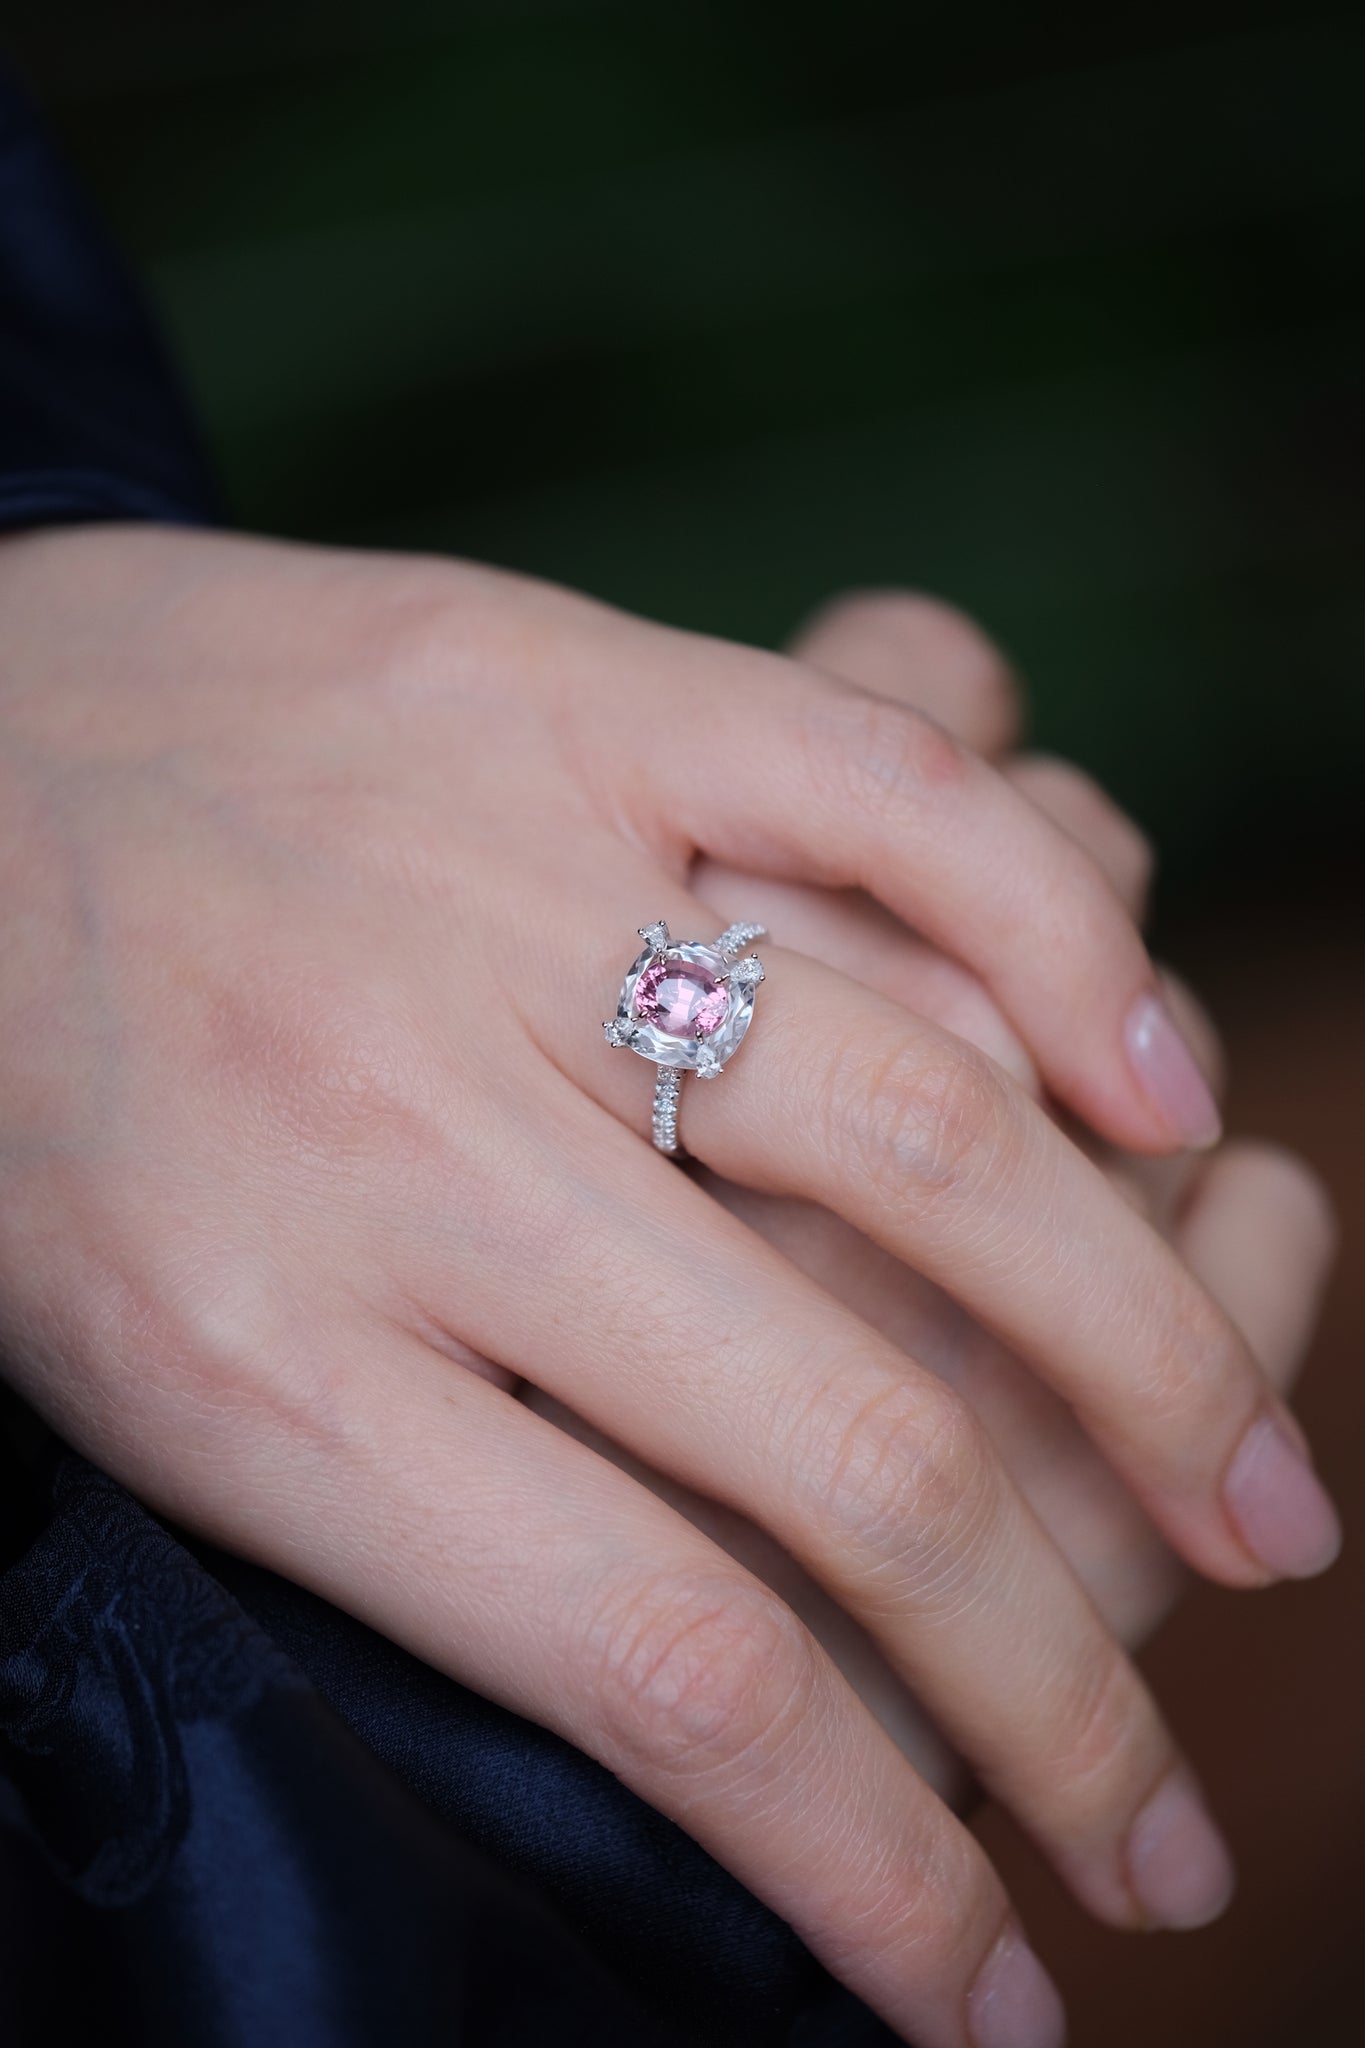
x=486 y=1541
x=922 y=652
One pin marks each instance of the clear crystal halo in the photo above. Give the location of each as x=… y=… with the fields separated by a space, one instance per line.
x=687 y=1005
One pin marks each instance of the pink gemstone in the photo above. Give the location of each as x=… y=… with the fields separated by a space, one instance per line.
x=681 y=998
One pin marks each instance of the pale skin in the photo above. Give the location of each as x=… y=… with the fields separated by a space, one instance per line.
x=317 y=874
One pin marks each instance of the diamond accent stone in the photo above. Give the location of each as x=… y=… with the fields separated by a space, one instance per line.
x=708 y=1066
x=618 y=1033
x=681 y=998
x=749 y=970
x=655 y=936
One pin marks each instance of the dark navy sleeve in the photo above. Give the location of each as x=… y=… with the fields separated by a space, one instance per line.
x=92 y=421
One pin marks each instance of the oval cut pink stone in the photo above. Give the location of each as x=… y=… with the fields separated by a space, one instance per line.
x=681 y=998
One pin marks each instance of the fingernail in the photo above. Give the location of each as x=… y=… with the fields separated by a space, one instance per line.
x=1014 y=2003
x=1280 y=1505
x=1178 y=1863
x=1169 y=1073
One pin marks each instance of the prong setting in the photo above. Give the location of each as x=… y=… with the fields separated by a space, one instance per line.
x=686 y=1007
x=748 y=971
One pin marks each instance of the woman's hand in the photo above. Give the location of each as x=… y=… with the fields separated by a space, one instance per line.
x=1251 y=1222
x=316 y=875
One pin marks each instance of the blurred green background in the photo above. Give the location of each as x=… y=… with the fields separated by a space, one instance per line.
x=711 y=310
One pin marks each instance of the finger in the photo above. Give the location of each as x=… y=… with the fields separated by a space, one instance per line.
x=1259 y=1231
x=1157 y=1187
x=849 y=930
x=1198 y=1030
x=508 y=1556
x=784 y=772
x=923 y=1145
x=920 y=652
x=749 y=1384
x=842 y=1638
x=1087 y=814
x=1256 y=1230
x=932 y=658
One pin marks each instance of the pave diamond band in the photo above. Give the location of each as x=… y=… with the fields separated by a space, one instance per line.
x=686 y=1007
x=667 y=1089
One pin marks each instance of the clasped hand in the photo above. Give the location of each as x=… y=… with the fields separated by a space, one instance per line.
x=327 y=1221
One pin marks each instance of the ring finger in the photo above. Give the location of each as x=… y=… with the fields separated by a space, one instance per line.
x=926 y=1147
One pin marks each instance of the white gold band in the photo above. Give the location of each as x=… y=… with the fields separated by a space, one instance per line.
x=667 y=1089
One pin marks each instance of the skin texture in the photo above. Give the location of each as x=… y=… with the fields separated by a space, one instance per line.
x=316 y=873
x=1251 y=1221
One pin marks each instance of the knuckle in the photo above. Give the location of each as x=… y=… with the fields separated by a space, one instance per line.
x=962 y=1005
x=1108 y=1738
x=390 y=617
x=928 y=1905
x=177 y=1331
x=946 y=1931
x=919 y=1126
x=929 y=1918
x=335 y=1072
x=412 y=620
x=880 y=756
x=904 y=1475
x=1194 y=1373
x=698 y=1674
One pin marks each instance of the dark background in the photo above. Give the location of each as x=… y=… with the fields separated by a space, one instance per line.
x=711 y=310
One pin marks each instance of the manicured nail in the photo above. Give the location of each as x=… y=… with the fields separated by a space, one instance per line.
x=1178 y=1863
x=1014 y=2003
x=1169 y=1073
x=1280 y=1505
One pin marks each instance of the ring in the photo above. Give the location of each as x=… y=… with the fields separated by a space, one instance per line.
x=686 y=1008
